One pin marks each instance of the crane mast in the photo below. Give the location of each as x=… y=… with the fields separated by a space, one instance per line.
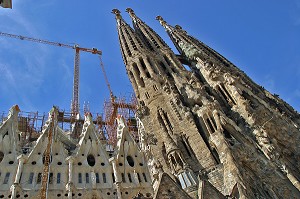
x=75 y=95
x=74 y=104
x=75 y=98
x=47 y=158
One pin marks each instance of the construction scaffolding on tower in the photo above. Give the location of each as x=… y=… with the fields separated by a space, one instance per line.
x=120 y=106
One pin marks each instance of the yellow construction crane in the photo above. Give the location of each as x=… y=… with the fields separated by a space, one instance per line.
x=75 y=97
x=47 y=158
x=75 y=100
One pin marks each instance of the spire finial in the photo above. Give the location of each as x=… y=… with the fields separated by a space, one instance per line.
x=131 y=13
x=129 y=10
x=164 y=23
x=161 y=21
x=117 y=13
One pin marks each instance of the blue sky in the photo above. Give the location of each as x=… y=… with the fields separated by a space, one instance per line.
x=260 y=37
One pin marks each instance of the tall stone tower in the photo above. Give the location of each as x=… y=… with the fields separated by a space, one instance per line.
x=211 y=129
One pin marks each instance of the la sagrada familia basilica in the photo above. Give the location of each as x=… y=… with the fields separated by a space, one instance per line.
x=207 y=131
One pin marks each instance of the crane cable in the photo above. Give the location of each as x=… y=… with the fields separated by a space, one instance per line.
x=112 y=97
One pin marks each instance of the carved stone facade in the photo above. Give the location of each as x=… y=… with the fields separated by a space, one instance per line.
x=77 y=169
x=211 y=128
x=209 y=132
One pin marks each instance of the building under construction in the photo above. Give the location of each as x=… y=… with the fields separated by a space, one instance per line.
x=205 y=133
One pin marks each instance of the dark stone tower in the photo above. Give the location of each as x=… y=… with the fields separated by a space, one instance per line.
x=213 y=121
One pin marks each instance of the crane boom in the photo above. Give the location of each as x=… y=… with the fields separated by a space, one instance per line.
x=75 y=96
x=106 y=79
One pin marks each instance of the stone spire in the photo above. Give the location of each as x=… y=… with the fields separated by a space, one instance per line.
x=153 y=40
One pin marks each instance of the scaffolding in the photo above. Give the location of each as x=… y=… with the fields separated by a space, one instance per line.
x=120 y=106
x=30 y=124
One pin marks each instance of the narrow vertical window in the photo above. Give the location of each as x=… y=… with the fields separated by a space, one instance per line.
x=185 y=144
x=58 y=178
x=113 y=177
x=147 y=95
x=79 y=178
x=20 y=177
x=123 y=177
x=139 y=177
x=97 y=178
x=51 y=178
x=129 y=177
x=6 y=178
x=145 y=177
x=39 y=178
x=87 y=178
x=104 y=177
x=142 y=63
x=30 y=178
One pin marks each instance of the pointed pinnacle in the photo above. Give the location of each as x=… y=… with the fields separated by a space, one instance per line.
x=129 y=10
x=131 y=13
x=117 y=13
x=163 y=23
x=161 y=20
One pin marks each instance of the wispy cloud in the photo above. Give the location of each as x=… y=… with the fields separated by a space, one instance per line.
x=295 y=14
x=22 y=69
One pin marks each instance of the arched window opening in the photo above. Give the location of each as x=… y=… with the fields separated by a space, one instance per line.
x=125 y=43
x=225 y=94
x=30 y=180
x=135 y=68
x=129 y=177
x=172 y=160
x=185 y=144
x=186 y=67
x=145 y=177
x=39 y=178
x=162 y=65
x=150 y=62
x=216 y=155
x=148 y=74
x=58 y=178
x=142 y=82
x=123 y=177
x=104 y=177
x=51 y=178
x=168 y=121
x=131 y=40
x=142 y=63
x=6 y=179
x=252 y=101
x=147 y=95
x=178 y=160
x=207 y=89
x=130 y=160
x=228 y=136
x=1 y=156
x=113 y=177
x=79 y=178
x=140 y=43
x=87 y=178
x=91 y=160
x=167 y=60
x=139 y=177
x=169 y=75
x=97 y=178
x=210 y=126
